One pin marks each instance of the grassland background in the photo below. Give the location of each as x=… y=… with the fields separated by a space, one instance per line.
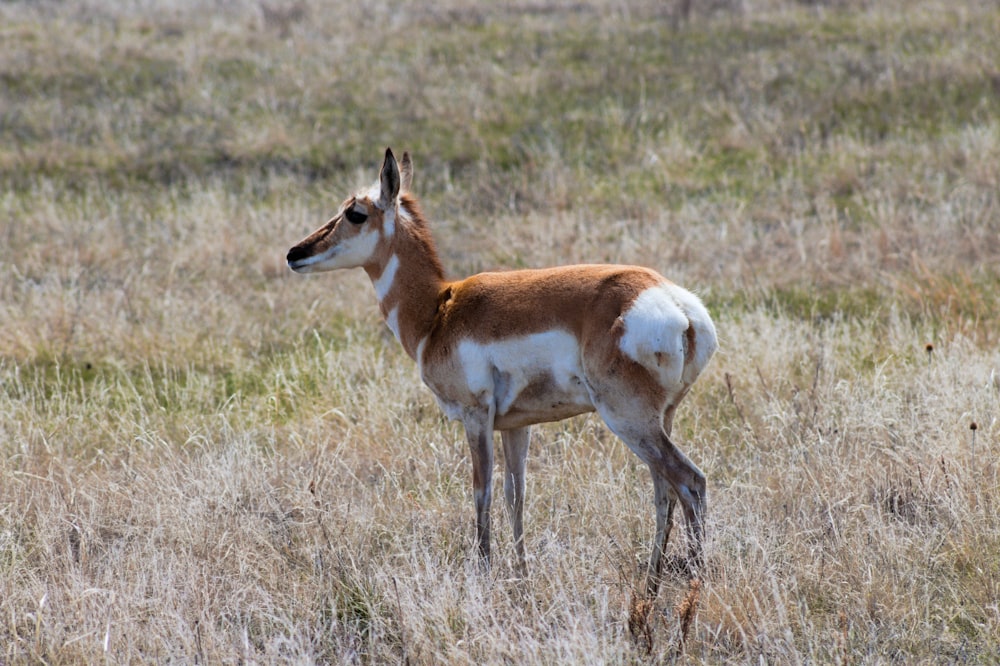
x=204 y=458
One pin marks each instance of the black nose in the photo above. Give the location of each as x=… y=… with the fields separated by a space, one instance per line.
x=296 y=253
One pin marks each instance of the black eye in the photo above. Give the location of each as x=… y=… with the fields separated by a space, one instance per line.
x=354 y=216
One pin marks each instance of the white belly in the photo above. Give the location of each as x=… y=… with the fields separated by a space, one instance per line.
x=527 y=379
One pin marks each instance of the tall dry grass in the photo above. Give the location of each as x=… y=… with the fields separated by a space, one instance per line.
x=207 y=459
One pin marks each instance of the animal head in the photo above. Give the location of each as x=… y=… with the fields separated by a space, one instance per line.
x=363 y=227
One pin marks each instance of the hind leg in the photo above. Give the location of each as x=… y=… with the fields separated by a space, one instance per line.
x=688 y=482
x=675 y=478
x=695 y=520
x=665 y=501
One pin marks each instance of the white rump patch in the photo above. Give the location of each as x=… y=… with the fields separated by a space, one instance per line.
x=706 y=340
x=654 y=333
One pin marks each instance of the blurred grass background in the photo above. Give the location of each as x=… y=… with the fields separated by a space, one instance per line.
x=824 y=174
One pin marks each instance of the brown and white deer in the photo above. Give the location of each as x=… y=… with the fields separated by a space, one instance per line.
x=505 y=350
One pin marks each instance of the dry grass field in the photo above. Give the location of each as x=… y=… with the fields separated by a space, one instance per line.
x=207 y=459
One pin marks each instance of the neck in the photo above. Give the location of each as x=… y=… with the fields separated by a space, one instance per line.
x=408 y=278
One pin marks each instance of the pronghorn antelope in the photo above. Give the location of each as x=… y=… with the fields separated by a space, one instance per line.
x=502 y=351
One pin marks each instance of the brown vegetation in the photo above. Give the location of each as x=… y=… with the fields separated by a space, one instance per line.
x=205 y=458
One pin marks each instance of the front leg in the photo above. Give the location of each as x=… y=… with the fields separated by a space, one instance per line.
x=479 y=431
x=515 y=451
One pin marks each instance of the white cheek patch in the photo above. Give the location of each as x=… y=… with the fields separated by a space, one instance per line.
x=349 y=253
x=654 y=333
x=360 y=249
x=384 y=282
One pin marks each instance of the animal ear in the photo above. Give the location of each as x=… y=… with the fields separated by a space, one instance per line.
x=388 y=182
x=406 y=171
